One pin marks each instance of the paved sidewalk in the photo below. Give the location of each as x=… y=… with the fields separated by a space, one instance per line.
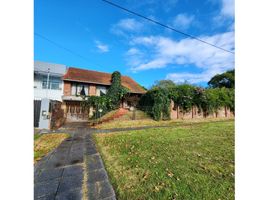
x=74 y=171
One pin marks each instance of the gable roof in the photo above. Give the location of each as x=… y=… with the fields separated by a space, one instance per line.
x=101 y=78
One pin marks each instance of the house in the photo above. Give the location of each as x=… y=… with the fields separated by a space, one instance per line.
x=92 y=83
x=48 y=80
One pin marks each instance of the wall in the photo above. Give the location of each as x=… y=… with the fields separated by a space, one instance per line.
x=40 y=93
x=44 y=120
x=92 y=90
x=176 y=114
x=57 y=115
x=41 y=69
x=67 y=87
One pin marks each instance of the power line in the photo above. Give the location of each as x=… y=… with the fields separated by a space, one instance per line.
x=165 y=26
x=62 y=47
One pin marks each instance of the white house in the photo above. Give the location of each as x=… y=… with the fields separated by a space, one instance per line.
x=48 y=80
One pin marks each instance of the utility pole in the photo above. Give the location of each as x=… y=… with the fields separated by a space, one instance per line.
x=48 y=71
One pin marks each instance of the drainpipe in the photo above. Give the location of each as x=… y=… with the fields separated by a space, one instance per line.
x=48 y=70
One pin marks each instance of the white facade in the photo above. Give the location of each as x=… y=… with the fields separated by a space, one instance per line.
x=48 y=80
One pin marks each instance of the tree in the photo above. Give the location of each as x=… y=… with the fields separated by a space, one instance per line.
x=156 y=103
x=226 y=79
x=143 y=87
x=109 y=101
x=183 y=96
x=164 y=84
x=116 y=91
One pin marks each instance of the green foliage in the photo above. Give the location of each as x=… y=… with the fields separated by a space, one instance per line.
x=164 y=84
x=156 y=103
x=230 y=99
x=143 y=87
x=183 y=96
x=226 y=79
x=98 y=102
x=132 y=100
x=111 y=100
x=116 y=91
x=212 y=99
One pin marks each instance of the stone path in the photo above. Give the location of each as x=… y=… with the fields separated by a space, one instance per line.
x=74 y=171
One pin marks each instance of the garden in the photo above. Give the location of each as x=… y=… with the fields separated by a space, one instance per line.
x=156 y=102
x=175 y=159
x=194 y=160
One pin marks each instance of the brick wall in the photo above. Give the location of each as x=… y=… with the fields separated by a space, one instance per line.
x=67 y=88
x=193 y=113
x=92 y=90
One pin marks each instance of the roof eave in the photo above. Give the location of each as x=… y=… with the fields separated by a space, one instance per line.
x=74 y=80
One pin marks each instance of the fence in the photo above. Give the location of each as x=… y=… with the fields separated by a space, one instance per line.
x=176 y=113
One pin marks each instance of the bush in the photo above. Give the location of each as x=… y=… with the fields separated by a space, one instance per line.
x=116 y=92
x=110 y=101
x=156 y=103
x=183 y=96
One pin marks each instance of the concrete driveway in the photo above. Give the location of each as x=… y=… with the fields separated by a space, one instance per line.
x=74 y=170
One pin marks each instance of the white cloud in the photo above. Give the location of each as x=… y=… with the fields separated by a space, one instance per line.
x=192 y=78
x=134 y=57
x=126 y=25
x=164 y=51
x=129 y=24
x=226 y=12
x=183 y=21
x=102 y=47
x=227 y=8
x=150 y=40
x=133 y=51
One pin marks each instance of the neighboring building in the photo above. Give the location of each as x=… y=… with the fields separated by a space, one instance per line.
x=93 y=83
x=48 y=80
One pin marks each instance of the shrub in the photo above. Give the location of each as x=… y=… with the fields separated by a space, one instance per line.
x=116 y=91
x=111 y=100
x=183 y=96
x=156 y=103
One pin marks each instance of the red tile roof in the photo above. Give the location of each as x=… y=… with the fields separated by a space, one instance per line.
x=102 y=78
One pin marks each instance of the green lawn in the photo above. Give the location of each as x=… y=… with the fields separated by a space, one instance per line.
x=126 y=122
x=194 y=161
x=45 y=143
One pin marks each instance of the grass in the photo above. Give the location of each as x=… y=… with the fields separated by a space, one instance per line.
x=36 y=136
x=107 y=115
x=186 y=162
x=43 y=144
x=139 y=115
x=125 y=123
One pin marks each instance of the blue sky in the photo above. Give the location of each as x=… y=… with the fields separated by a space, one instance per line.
x=112 y=39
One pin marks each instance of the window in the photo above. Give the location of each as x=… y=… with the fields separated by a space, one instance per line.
x=79 y=89
x=101 y=90
x=54 y=83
